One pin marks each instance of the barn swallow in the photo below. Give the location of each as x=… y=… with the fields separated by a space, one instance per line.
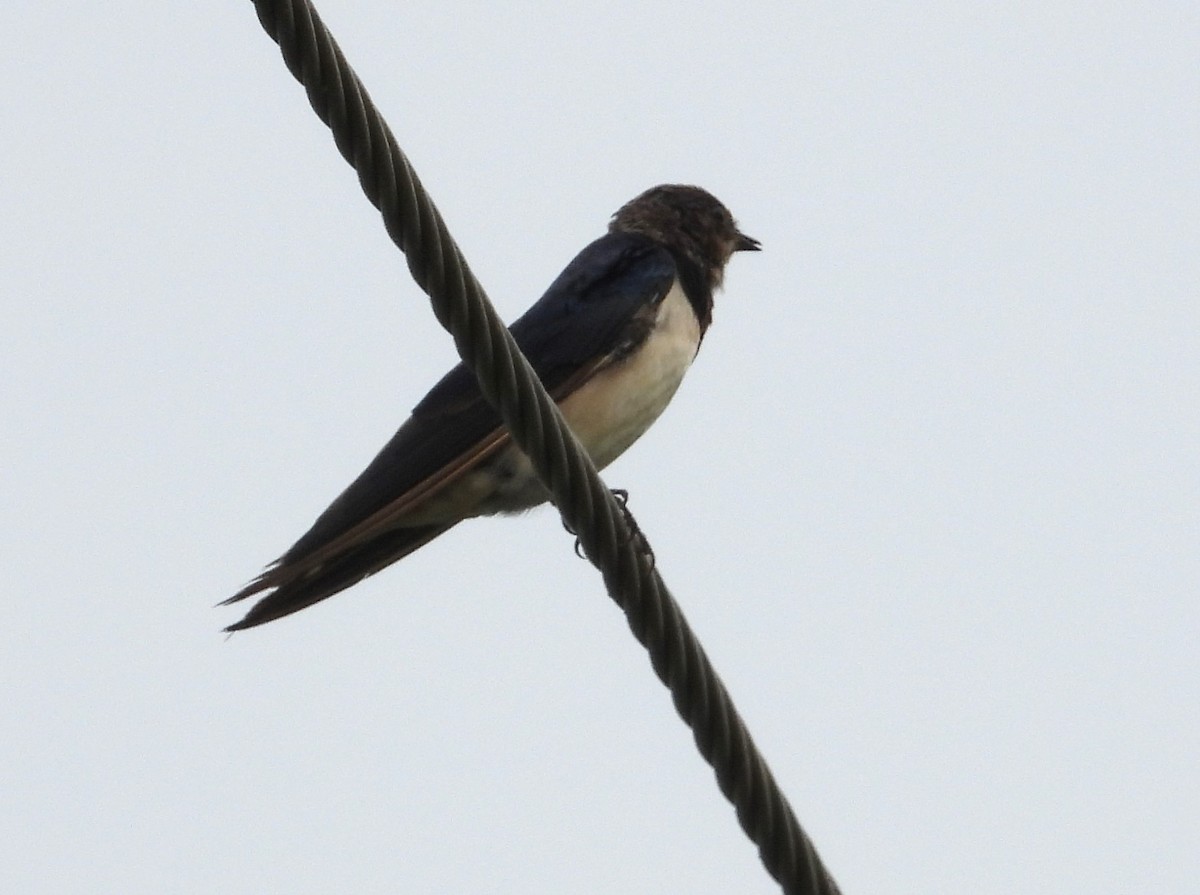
x=611 y=340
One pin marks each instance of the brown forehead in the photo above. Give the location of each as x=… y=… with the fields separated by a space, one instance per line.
x=679 y=204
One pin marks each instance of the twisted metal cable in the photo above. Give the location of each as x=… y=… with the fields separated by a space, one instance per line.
x=507 y=380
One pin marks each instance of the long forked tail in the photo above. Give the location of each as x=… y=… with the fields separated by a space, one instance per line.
x=298 y=585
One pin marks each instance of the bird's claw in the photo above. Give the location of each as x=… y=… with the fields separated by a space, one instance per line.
x=635 y=532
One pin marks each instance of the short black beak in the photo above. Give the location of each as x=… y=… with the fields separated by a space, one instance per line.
x=747 y=244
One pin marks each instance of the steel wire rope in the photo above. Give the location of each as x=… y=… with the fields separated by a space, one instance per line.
x=587 y=506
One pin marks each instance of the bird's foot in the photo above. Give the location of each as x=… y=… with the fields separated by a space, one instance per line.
x=635 y=532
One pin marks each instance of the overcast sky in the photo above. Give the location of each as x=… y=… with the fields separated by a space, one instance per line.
x=930 y=495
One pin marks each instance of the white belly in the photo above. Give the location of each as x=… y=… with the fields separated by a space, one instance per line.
x=607 y=414
x=616 y=406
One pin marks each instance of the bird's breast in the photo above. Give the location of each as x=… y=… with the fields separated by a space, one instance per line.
x=615 y=407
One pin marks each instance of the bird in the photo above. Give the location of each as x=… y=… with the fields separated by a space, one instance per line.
x=611 y=340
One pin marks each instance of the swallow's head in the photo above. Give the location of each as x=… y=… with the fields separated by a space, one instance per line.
x=686 y=220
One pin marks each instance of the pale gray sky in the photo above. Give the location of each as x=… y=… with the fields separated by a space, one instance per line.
x=930 y=495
